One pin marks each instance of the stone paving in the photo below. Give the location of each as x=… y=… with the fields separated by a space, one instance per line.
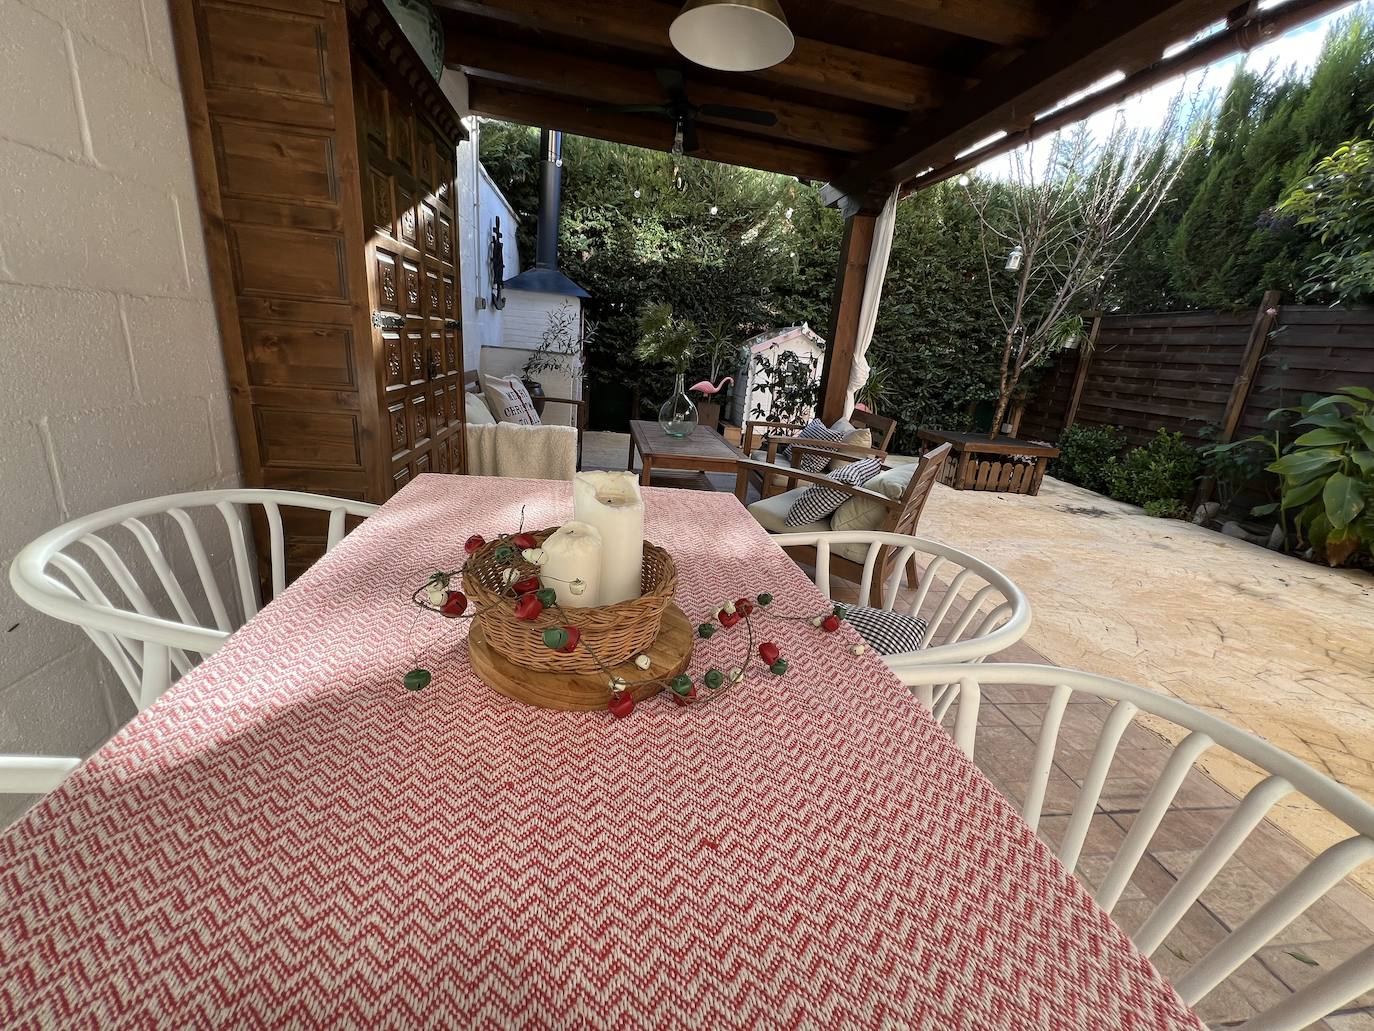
x=1273 y=644
x=1268 y=642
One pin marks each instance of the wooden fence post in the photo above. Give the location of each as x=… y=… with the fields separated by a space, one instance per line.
x=1260 y=329
x=1249 y=364
x=1080 y=376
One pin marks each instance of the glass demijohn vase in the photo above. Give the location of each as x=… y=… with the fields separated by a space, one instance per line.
x=678 y=416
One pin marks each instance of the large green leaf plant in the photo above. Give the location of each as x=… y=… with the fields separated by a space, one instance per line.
x=1328 y=475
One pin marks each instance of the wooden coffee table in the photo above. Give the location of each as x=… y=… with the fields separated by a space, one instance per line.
x=705 y=451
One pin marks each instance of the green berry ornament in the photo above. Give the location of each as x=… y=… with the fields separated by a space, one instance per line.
x=765 y=598
x=839 y=610
x=547 y=596
x=779 y=668
x=417 y=679
x=555 y=637
x=706 y=630
x=714 y=679
x=503 y=554
x=682 y=684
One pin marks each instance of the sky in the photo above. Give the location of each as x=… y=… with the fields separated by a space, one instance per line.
x=1299 y=48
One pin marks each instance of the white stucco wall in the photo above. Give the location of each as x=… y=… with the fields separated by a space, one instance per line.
x=526 y=320
x=112 y=383
x=480 y=203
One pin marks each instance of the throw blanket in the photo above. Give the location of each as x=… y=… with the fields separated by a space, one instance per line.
x=534 y=452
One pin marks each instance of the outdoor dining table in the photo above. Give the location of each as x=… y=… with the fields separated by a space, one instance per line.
x=290 y=837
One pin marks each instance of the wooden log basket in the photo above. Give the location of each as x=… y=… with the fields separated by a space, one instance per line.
x=611 y=634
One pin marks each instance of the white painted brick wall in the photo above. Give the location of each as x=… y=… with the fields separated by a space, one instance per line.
x=112 y=384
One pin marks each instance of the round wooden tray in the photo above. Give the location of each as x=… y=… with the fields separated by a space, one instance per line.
x=584 y=692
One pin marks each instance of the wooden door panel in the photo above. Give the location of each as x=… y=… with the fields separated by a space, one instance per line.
x=277 y=261
x=260 y=51
x=274 y=163
x=285 y=354
x=399 y=428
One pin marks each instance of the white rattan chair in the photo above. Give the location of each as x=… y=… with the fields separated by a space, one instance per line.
x=1284 y=776
x=152 y=628
x=34 y=774
x=992 y=613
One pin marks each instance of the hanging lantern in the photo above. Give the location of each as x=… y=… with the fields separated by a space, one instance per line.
x=732 y=35
x=1014 y=259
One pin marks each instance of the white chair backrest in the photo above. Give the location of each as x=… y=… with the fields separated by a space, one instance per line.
x=146 y=624
x=34 y=774
x=1284 y=775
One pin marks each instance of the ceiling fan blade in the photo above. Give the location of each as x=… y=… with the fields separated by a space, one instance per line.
x=633 y=109
x=739 y=114
x=673 y=84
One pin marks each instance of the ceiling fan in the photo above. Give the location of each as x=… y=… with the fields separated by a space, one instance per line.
x=684 y=113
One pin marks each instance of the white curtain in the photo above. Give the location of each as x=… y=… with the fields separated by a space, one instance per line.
x=873 y=295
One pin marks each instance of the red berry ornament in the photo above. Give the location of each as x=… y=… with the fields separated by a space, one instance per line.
x=830 y=624
x=622 y=704
x=574 y=635
x=474 y=542
x=527 y=586
x=729 y=619
x=525 y=540
x=528 y=607
x=744 y=606
x=769 y=653
x=455 y=605
x=686 y=699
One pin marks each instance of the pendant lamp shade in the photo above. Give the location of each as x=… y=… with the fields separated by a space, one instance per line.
x=732 y=35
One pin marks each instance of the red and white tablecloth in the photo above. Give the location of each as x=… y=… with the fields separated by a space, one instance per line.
x=290 y=838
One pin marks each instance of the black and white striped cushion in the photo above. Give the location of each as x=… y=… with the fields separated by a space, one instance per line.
x=887 y=633
x=821 y=502
x=814 y=430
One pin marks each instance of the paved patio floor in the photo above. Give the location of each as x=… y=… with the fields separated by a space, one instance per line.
x=1276 y=645
x=1268 y=642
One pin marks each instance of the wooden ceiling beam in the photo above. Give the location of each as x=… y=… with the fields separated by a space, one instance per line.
x=496 y=100
x=642 y=25
x=566 y=76
x=1006 y=22
x=1262 y=27
x=1104 y=39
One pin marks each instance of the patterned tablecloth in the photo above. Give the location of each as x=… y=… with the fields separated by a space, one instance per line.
x=289 y=837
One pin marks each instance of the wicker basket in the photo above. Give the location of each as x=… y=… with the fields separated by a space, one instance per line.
x=611 y=633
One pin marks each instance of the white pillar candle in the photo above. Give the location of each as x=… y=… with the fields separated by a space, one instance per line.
x=611 y=502
x=572 y=557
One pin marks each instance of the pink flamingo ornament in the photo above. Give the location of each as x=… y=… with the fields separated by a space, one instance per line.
x=707 y=390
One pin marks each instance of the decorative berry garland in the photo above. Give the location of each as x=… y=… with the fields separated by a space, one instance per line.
x=529 y=597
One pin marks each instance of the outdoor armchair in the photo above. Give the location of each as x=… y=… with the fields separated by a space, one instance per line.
x=891 y=502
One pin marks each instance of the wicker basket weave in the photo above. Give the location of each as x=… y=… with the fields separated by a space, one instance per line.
x=610 y=633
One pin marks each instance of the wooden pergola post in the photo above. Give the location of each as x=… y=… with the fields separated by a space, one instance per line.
x=844 y=313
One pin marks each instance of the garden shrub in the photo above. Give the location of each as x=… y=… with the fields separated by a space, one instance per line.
x=1328 y=476
x=1159 y=476
x=1085 y=454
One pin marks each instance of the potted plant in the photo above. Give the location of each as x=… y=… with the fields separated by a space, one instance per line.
x=671 y=341
x=561 y=347
x=722 y=355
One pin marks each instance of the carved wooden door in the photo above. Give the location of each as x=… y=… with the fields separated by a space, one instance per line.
x=409 y=195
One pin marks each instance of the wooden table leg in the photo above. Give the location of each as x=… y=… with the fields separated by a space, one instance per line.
x=644 y=471
x=630 y=462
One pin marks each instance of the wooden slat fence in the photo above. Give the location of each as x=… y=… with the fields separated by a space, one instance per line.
x=1180 y=370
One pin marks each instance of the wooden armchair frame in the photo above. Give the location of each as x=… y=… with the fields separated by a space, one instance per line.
x=879 y=426
x=900 y=516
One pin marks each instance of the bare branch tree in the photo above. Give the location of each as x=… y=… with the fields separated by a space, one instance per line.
x=1055 y=232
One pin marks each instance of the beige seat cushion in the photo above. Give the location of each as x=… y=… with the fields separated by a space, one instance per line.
x=761 y=455
x=867 y=514
x=771 y=513
x=476 y=412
